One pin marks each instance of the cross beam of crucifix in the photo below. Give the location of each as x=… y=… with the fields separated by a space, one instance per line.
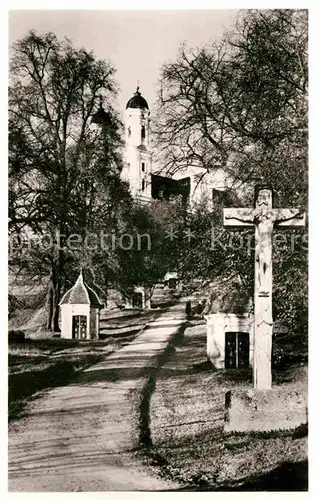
x=264 y=218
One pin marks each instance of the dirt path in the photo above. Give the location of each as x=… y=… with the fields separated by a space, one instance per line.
x=82 y=437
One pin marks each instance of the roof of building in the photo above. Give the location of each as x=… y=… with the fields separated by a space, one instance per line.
x=137 y=101
x=81 y=293
x=170 y=275
x=228 y=298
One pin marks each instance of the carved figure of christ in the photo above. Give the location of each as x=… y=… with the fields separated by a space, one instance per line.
x=264 y=218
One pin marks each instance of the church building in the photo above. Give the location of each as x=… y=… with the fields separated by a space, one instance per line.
x=149 y=181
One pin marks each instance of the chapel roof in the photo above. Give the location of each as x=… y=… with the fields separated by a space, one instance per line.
x=229 y=298
x=81 y=293
x=137 y=101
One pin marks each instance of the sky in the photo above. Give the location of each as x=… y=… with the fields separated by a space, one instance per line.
x=136 y=42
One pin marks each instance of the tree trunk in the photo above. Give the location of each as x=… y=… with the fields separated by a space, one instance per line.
x=50 y=306
x=56 y=307
x=54 y=292
x=53 y=302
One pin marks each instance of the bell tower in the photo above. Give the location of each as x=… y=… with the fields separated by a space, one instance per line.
x=138 y=157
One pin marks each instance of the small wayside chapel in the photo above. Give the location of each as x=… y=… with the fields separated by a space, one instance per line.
x=140 y=298
x=80 y=312
x=229 y=324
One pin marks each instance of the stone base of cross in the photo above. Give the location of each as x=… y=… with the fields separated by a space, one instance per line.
x=264 y=218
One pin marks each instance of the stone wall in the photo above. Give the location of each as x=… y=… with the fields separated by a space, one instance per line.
x=264 y=410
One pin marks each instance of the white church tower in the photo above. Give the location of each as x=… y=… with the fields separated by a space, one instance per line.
x=138 y=157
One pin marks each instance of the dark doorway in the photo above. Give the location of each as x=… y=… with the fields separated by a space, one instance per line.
x=137 y=300
x=237 y=350
x=79 y=327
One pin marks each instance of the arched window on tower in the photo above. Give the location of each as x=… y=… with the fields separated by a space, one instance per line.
x=143 y=184
x=143 y=132
x=129 y=131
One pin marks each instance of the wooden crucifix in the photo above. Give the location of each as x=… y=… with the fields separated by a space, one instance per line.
x=264 y=218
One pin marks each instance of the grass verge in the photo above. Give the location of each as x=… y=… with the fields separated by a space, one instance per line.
x=186 y=423
x=38 y=365
x=145 y=438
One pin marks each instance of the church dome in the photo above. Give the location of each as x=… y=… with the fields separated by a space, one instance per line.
x=137 y=101
x=101 y=117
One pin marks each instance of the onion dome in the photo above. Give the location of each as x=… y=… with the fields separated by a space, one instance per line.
x=101 y=117
x=81 y=293
x=137 y=101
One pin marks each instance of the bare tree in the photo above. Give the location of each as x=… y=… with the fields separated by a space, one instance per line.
x=241 y=104
x=59 y=167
